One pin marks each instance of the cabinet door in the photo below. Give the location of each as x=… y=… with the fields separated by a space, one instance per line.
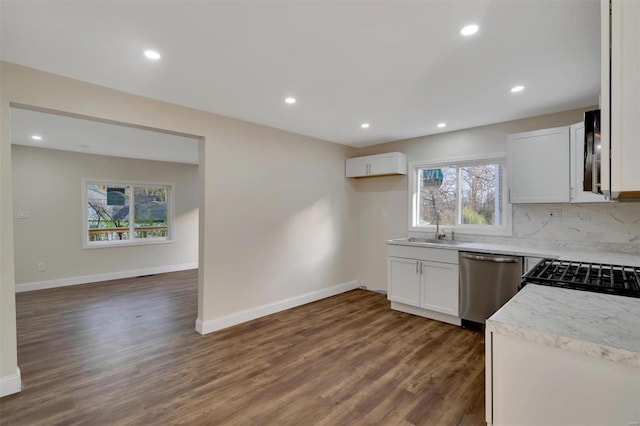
x=538 y=166
x=577 y=168
x=356 y=167
x=403 y=281
x=383 y=164
x=622 y=103
x=439 y=284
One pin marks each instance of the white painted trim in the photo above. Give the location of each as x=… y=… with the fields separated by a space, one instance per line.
x=204 y=327
x=11 y=384
x=199 y=328
x=86 y=279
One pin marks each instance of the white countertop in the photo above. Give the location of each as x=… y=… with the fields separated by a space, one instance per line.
x=593 y=256
x=594 y=324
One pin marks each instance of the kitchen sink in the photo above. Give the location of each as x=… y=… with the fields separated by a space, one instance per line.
x=426 y=241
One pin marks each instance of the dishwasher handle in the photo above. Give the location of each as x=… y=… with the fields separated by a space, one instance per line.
x=490 y=258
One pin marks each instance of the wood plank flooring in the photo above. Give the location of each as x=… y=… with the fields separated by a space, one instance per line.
x=125 y=352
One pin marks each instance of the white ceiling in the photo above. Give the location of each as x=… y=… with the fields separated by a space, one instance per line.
x=400 y=65
x=93 y=137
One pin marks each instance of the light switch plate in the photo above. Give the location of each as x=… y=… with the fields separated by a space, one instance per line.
x=21 y=214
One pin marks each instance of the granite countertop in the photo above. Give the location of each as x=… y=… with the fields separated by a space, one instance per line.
x=593 y=256
x=594 y=324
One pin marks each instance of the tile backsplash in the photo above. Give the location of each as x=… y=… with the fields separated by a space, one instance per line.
x=603 y=226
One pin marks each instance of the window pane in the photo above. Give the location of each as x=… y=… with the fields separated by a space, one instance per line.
x=481 y=194
x=151 y=212
x=437 y=195
x=108 y=212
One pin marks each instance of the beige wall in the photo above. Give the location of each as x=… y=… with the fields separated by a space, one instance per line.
x=47 y=183
x=276 y=212
x=383 y=202
x=8 y=353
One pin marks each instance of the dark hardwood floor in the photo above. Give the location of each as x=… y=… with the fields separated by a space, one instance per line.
x=125 y=352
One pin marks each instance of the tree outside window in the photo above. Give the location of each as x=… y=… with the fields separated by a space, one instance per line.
x=111 y=206
x=468 y=195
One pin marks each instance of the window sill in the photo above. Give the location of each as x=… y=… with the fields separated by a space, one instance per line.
x=115 y=244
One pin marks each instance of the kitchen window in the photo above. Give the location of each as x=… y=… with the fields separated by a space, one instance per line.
x=126 y=213
x=467 y=195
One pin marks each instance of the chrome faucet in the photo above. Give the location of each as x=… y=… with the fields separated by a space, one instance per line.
x=439 y=236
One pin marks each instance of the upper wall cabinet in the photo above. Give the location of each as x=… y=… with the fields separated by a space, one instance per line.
x=538 y=166
x=620 y=99
x=547 y=166
x=391 y=163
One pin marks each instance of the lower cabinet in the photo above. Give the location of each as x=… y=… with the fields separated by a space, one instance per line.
x=422 y=287
x=404 y=281
x=532 y=384
x=439 y=287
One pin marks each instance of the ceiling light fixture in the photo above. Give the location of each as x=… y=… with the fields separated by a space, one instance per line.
x=152 y=54
x=36 y=137
x=516 y=89
x=364 y=125
x=290 y=100
x=441 y=125
x=469 y=30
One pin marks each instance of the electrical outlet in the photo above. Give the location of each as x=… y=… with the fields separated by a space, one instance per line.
x=21 y=214
x=41 y=267
x=555 y=215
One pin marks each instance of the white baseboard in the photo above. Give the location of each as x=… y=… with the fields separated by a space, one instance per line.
x=199 y=328
x=204 y=327
x=86 y=279
x=10 y=384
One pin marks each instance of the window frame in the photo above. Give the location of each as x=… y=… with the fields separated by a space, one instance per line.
x=506 y=229
x=170 y=238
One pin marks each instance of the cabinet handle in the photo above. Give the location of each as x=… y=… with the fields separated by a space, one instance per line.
x=420 y=268
x=490 y=258
x=417 y=266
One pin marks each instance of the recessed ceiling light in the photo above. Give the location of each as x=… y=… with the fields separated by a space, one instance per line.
x=36 y=137
x=152 y=54
x=290 y=100
x=364 y=125
x=469 y=30
x=441 y=125
x=516 y=89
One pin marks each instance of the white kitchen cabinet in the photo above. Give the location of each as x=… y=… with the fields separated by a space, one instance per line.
x=578 y=195
x=538 y=166
x=424 y=281
x=439 y=287
x=404 y=281
x=390 y=163
x=620 y=98
x=535 y=384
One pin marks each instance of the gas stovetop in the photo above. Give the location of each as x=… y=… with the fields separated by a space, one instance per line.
x=602 y=278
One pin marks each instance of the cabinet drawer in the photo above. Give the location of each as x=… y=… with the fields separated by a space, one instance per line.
x=424 y=253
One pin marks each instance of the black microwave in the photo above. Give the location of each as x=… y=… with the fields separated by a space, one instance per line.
x=592 y=171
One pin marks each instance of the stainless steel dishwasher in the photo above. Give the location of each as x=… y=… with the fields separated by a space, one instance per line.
x=487 y=281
